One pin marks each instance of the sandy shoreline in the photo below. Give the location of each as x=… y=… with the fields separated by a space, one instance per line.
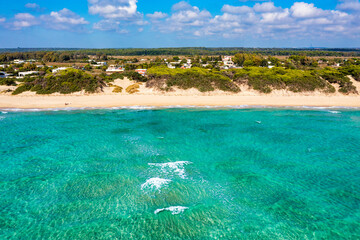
x=192 y=97
x=103 y=101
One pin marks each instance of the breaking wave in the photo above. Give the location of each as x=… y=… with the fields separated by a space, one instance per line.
x=173 y=167
x=173 y=209
x=155 y=183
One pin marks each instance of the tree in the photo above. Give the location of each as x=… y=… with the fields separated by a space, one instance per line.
x=64 y=57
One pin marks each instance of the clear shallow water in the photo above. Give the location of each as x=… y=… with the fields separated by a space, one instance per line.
x=180 y=174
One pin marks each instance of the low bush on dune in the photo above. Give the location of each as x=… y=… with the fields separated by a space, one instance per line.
x=352 y=70
x=117 y=89
x=265 y=80
x=335 y=76
x=199 y=78
x=64 y=82
x=7 y=81
x=133 y=89
x=132 y=75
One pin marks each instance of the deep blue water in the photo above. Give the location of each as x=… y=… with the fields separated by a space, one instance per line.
x=180 y=174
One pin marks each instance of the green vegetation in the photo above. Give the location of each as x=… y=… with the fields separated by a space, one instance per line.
x=336 y=76
x=54 y=55
x=133 y=88
x=259 y=78
x=64 y=82
x=352 y=70
x=132 y=75
x=199 y=78
x=117 y=89
x=7 y=81
x=265 y=80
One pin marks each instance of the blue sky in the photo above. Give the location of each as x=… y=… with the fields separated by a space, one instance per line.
x=168 y=23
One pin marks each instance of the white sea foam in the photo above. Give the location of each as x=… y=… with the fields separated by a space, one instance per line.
x=2 y=118
x=335 y=112
x=173 y=209
x=155 y=183
x=4 y=112
x=173 y=167
x=175 y=107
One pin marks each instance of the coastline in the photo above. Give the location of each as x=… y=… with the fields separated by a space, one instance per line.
x=151 y=100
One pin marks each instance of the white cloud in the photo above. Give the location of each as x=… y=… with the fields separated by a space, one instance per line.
x=263 y=20
x=349 y=5
x=114 y=9
x=181 y=6
x=2 y=20
x=109 y=25
x=236 y=10
x=265 y=7
x=116 y=13
x=157 y=15
x=22 y=20
x=64 y=20
x=276 y=17
x=306 y=10
x=32 y=5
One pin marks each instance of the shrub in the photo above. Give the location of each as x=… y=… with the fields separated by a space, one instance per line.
x=117 y=89
x=7 y=82
x=336 y=76
x=133 y=88
x=199 y=78
x=22 y=88
x=64 y=82
x=265 y=80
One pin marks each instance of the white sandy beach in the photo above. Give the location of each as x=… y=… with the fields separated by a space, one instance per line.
x=192 y=97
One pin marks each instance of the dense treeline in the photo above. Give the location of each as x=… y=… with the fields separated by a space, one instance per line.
x=71 y=54
x=65 y=82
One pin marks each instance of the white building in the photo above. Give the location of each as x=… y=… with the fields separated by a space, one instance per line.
x=141 y=71
x=114 y=69
x=227 y=58
x=59 y=69
x=171 y=66
x=4 y=75
x=4 y=66
x=23 y=74
x=99 y=64
x=18 y=61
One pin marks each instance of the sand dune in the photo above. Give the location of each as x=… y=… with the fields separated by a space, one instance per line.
x=192 y=97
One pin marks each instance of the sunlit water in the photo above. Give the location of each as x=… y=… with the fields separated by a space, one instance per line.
x=180 y=174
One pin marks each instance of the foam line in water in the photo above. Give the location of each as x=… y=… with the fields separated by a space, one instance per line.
x=173 y=209
x=155 y=183
x=176 y=107
x=173 y=167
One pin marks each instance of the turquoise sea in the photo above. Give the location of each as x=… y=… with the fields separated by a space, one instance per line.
x=260 y=173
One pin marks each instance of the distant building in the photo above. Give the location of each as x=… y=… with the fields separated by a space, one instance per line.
x=141 y=71
x=4 y=66
x=4 y=75
x=114 y=69
x=227 y=58
x=99 y=64
x=18 y=61
x=170 y=66
x=23 y=74
x=59 y=69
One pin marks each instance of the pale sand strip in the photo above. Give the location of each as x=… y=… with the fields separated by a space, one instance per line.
x=36 y=101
